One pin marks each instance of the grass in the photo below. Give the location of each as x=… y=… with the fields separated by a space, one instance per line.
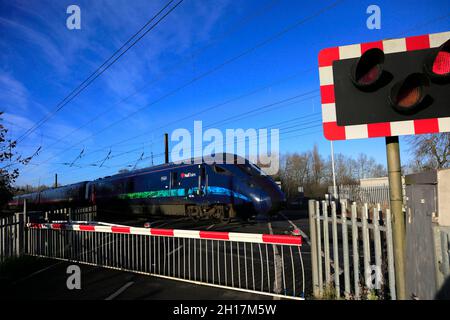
x=329 y=293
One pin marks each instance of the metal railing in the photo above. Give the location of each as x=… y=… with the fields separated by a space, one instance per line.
x=265 y=264
x=71 y=214
x=9 y=235
x=356 y=193
x=351 y=251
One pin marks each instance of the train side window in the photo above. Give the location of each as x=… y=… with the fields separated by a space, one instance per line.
x=245 y=169
x=130 y=185
x=220 y=170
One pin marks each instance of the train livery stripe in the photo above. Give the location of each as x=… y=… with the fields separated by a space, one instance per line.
x=182 y=192
x=192 y=234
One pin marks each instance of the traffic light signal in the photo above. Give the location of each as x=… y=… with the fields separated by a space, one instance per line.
x=386 y=88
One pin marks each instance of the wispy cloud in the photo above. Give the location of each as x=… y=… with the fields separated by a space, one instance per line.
x=13 y=94
x=20 y=122
x=36 y=33
x=42 y=43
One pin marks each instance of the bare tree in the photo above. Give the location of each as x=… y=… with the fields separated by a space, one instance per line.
x=430 y=151
x=311 y=171
x=345 y=168
x=317 y=166
x=29 y=189
x=9 y=160
x=294 y=172
x=317 y=186
x=368 y=167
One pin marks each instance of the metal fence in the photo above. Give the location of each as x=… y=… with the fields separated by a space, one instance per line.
x=356 y=193
x=351 y=251
x=9 y=236
x=71 y=214
x=266 y=264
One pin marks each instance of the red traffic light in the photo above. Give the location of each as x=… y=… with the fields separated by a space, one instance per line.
x=407 y=96
x=437 y=65
x=367 y=71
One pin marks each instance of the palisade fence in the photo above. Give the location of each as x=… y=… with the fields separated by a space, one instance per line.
x=356 y=193
x=351 y=251
x=12 y=226
x=71 y=214
x=258 y=263
x=9 y=236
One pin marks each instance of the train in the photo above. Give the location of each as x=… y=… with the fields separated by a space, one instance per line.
x=193 y=188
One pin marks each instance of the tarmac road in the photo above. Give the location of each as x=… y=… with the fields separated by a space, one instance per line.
x=106 y=284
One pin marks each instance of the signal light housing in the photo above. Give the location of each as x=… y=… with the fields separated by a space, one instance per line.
x=437 y=64
x=407 y=96
x=368 y=70
x=386 y=88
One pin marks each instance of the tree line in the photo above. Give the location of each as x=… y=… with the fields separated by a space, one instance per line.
x=311 y=171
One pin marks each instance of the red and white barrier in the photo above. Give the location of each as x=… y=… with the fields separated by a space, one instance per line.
x=193 y=234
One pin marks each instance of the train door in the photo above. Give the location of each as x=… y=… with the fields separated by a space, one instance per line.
x=93 y=193
x=174 y=185
x=202 y=181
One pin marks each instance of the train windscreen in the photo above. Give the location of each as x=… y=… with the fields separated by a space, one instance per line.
x=251 y=169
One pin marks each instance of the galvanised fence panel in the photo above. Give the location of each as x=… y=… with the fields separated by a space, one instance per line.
x=9 y=237
x=260 y=263
x=369 y=195
x=351 y=251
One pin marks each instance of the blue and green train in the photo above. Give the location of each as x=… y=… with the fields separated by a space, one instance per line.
x=197 y=189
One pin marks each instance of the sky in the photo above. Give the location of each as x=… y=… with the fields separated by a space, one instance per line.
x=231 y=64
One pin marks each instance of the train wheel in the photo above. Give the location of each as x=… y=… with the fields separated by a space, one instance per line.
x=229 y=214
x=217 y=212
x=193 y=212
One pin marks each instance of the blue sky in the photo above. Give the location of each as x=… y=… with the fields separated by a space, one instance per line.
x=41 y=61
